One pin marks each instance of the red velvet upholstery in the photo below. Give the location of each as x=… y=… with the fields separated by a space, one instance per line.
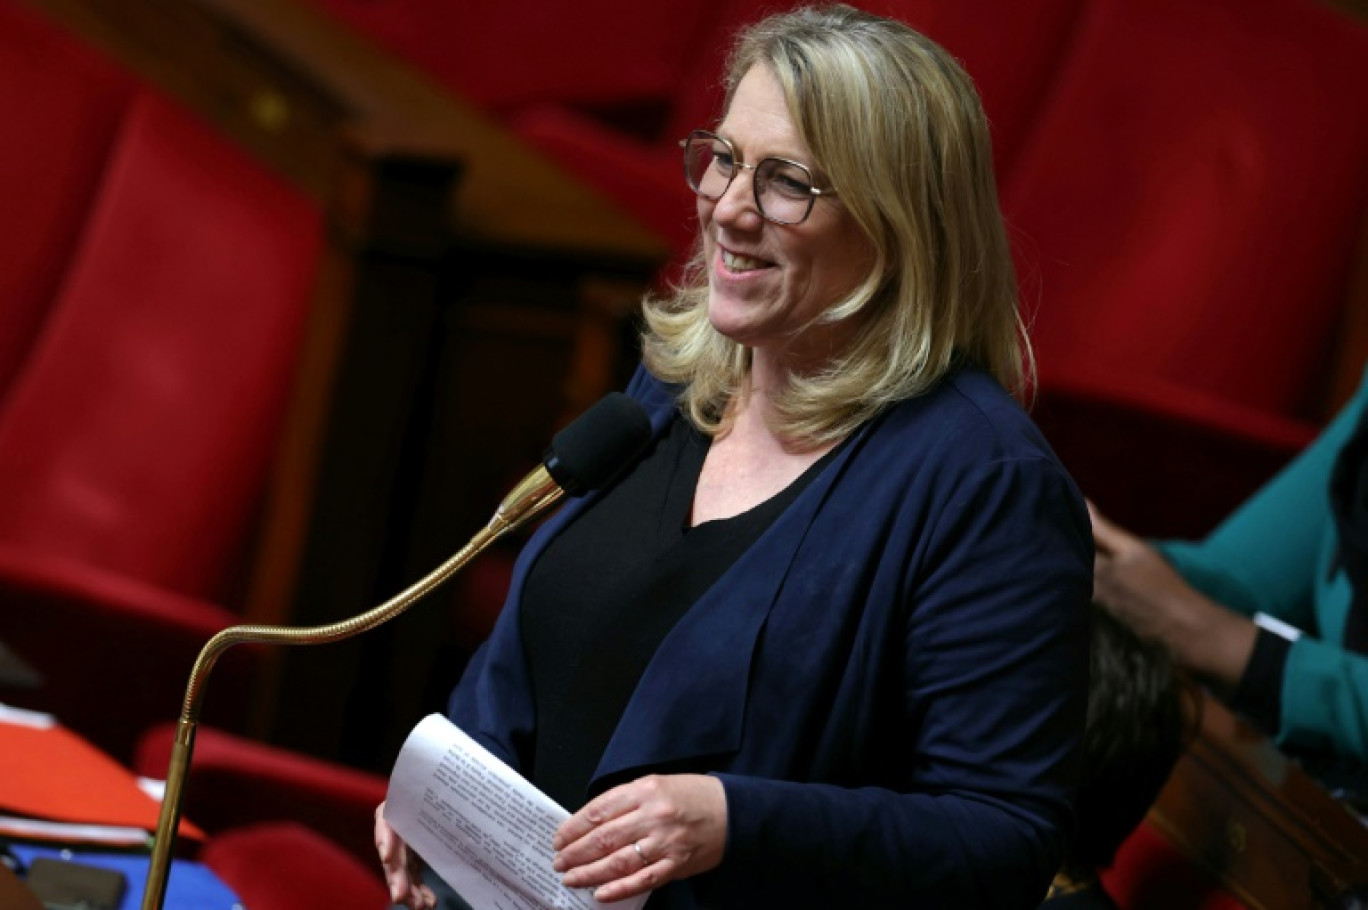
x=136 y=435
x=613 y=56
x=1192 y=195
x=140 y=429
x=66 y=106
x=235 y=782
x=285 y=866
x=1150 y=874
x=1160 y=458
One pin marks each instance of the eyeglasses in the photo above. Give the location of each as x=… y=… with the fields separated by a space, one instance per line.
x=783 y=189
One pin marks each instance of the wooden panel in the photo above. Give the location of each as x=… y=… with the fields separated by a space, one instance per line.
x=1244 y=811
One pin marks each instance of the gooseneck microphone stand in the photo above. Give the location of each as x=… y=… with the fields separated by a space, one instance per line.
x=583 y=455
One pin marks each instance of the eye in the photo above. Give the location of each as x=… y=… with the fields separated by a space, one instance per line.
x=788 y=180
x=723 y=161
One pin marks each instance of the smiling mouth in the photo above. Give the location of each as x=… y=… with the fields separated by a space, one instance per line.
x=737 y=263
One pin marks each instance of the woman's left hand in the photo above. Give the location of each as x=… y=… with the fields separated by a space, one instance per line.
x=638 y=836
x=1134 y=581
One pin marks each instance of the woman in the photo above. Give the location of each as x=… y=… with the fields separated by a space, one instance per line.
x=1270 y=609
x=826 y=643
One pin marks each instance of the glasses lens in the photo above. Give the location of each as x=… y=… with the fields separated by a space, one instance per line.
x=708 y=165
x=784 y=190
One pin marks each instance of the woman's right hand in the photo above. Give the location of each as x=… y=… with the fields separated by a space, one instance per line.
x=403 y=868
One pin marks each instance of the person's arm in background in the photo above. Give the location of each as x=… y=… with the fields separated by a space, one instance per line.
x=1263 y=557
x=1134 y=581
x=1198 y=597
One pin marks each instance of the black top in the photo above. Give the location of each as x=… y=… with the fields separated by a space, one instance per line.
x=1349 y=502
x=605 y=593
x=1258 y=695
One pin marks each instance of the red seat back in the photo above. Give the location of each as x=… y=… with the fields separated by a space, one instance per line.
x=285 y=866
x=1190 y=199
x=1150 y=874
x=138 y=433
x=62 y=109
x=506 y=54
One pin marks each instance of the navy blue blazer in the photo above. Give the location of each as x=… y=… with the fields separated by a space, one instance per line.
x=890 y=683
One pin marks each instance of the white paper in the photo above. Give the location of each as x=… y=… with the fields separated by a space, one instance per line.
x=25 y=718
x=25 y=827
x=479 y=824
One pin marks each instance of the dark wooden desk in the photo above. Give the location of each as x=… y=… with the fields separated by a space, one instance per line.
x=1245 y=812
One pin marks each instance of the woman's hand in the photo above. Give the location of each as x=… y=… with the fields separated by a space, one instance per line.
x=403 y=868
x=636 y=837
x=1134 y=581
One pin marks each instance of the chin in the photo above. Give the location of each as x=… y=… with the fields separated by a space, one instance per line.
x=728 y=320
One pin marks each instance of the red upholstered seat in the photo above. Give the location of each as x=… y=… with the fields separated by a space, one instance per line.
x=615 y=57
x=65 y=106
x=1159 y=457
x=286 y=866
x=141 y=421
x=1193 y=194
x=235 y=782
x=1150 y=874
x=140 y=428
x=1187 y=209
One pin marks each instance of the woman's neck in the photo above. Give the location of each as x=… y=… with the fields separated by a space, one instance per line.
x=748 y=462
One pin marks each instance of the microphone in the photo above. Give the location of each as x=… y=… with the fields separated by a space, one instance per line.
x=584 y=456
x=598 y=444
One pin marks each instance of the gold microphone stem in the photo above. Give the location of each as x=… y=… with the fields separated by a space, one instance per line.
x=536 y=492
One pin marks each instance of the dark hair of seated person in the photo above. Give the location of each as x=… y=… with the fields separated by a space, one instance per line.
x=1141 y=713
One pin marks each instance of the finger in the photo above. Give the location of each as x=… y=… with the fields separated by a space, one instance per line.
x=1106 y=535
x=602 y=843
x=400 y=883
x=599 y=811
x=624 y=872
x=401 y=872
x=381 y=831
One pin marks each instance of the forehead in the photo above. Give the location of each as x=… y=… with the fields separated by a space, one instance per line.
x=758 y=119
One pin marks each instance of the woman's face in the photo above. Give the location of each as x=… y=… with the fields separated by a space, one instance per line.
x=767 y=281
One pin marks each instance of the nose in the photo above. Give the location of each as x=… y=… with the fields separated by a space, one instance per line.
x=737 y=207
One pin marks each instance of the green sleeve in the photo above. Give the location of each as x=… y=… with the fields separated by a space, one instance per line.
x=1265 y=558
x=1265 y=555
x=1325 y=699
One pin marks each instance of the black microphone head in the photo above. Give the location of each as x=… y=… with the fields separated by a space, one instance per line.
x=599 y=443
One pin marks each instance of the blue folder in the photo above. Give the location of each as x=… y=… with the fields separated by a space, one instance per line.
x=190 y=885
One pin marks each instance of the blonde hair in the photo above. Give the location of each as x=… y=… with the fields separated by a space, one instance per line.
x=899 y=131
